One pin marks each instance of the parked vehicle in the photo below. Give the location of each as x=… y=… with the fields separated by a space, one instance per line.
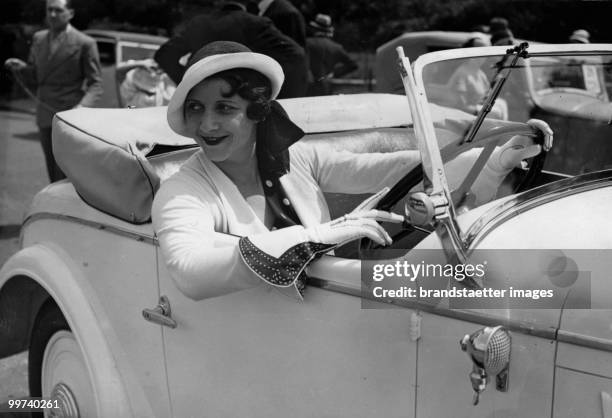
x=109 y=333
x=415 y=44
x=117 y=48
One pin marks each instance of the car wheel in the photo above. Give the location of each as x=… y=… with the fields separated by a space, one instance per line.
x=57 y=368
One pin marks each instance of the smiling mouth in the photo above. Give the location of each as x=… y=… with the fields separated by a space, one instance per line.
x=213 y=140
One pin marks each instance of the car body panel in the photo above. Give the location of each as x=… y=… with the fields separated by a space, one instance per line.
x=341 y=358
x=48 y=265
x=531 y=376
x=580 y=394
x=117 y=289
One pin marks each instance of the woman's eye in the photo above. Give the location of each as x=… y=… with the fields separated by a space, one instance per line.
x=225 y=108
x=194 y=107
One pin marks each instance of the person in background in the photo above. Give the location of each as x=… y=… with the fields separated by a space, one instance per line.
x=580 y=36
x=470 y=84
x=232 y=22
x=143 y=84
x=286 y=17
x=327 y=58
x=65 y=67
x=500 y=33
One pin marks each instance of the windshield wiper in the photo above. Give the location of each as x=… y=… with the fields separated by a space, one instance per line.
x=519 y=51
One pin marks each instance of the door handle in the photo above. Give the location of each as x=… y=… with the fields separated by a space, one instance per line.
x=161 y=314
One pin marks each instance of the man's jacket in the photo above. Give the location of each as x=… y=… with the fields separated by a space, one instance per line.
x=70 y=76
x=256 y=32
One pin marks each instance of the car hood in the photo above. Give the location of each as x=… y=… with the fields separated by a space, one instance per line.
x=577 y=106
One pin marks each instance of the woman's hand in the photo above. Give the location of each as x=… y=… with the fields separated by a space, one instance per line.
x=279 y=257
x=362 y=222
x=546 y=131
x=519 y=148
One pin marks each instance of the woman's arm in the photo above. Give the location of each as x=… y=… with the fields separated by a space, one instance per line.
x=203 y=262
x=339 y=171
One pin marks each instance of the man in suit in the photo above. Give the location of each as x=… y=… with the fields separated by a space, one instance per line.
x=233 y=23
x=285 y=17
x=328 y=59
x=65 y=66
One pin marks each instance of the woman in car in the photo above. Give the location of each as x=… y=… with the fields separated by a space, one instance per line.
x=249 y=205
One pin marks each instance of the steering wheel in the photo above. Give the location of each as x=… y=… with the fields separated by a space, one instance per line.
x=415 y=176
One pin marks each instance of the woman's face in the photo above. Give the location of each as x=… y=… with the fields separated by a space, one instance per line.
x=220 y=124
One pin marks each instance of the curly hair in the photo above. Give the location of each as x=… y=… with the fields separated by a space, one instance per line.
x=251 y=86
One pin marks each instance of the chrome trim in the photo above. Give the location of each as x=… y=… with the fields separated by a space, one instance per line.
x=534 y=198
x=462 y=315
x=92 y=224
x=67 y=403
x=537 y=50
x=584 y=340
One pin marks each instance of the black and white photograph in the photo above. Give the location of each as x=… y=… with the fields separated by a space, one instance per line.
x=306 y=208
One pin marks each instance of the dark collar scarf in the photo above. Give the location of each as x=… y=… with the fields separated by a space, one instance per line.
x=275 y=135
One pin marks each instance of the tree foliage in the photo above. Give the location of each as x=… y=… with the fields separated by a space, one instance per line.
x=361 y=25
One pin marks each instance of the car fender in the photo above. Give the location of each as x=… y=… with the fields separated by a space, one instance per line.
x=117 y=391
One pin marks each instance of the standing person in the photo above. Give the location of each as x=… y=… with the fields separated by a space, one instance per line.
x=327 y=58
x=285 y=17
x=65 y=66
x=233 y=23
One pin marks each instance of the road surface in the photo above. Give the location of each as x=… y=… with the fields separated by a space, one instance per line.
x=22 y=174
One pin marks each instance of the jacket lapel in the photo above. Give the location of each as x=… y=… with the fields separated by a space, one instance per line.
x=241 y=218
x=64 y=51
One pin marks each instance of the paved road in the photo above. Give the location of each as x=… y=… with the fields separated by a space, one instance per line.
x=22 y=174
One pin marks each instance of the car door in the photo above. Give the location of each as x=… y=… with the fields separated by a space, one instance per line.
x=583 y=381
x=262 y=353
x=444 y=387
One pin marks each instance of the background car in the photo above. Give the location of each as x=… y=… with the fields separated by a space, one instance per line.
x=415 y=44
x=116 y=48
x=110 y=334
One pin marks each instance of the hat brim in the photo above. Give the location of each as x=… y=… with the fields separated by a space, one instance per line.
x=212 y=65
x=580 y=39
x=327 y=29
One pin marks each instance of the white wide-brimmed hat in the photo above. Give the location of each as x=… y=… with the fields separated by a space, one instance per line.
x=212 y=59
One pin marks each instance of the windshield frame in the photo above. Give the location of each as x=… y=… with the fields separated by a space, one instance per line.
x=534 y=50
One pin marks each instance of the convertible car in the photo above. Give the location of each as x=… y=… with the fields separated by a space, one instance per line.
x=495 y=304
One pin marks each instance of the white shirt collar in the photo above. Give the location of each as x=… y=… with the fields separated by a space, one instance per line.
x=263 y=6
